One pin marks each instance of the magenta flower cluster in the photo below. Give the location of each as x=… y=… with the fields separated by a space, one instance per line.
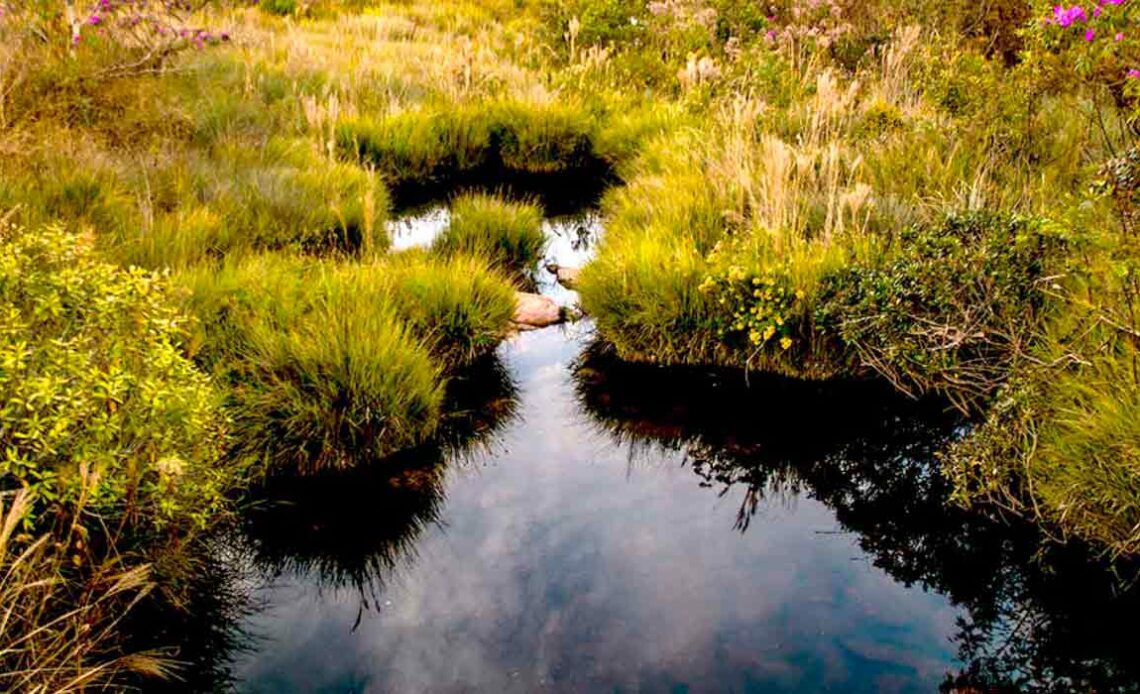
x=147 y=22
x=1068 y=16
x=1076 y=15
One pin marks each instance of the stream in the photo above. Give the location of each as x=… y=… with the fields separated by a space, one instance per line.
x=608 y=526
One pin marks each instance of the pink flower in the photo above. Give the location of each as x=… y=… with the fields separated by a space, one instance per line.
x=1119 y=36
x=1066 y=17
x=1134 y=74
x=94 y=20
x=1090 y=34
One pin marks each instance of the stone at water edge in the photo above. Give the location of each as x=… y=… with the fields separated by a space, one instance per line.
x=535 y=311
x=567 y=276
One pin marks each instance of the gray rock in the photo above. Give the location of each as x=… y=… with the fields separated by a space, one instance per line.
x=535 y=311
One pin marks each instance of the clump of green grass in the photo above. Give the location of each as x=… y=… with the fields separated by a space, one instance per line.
x=459 y=306
x=507 y=234
x=278 y=7
x=282 y=198
x=54 y=189
x=1061 y=442
x=643 y=286
x=420 y=145
x=321 y=368
x=1061 y=446
x=346 y=380
x=331 y=361
x=644 y=294
x=440 y=144
x=543 y=137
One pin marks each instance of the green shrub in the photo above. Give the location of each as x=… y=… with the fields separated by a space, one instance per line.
x=504 y=233
x=949 y=309
x=279 y=7
x=98 y=400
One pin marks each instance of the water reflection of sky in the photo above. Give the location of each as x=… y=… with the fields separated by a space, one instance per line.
x=568 y=560
x=571 y=240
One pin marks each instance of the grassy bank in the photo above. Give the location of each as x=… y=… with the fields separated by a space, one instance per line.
x=866 y=196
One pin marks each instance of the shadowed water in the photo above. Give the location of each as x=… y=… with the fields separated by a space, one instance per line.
x=586 y=524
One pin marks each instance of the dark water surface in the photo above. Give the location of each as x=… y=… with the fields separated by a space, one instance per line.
x=599 y=526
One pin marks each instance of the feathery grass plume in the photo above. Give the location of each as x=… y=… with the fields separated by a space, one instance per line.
x=506 y=234
x=58 y=623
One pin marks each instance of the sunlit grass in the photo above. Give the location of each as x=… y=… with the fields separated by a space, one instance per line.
x=508 y=234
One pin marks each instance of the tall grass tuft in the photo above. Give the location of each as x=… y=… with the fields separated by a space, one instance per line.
x=507 y=234
x=348 y=380
x=57 y=631
x=459 y=306
x=331 y=361
x=438 y=144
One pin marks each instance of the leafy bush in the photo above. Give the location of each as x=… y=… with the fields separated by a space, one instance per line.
x=98 y=400
x=504 y=233
x=1096 y=46
x=949 y=308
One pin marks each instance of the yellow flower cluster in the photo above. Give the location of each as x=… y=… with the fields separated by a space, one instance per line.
x=758 y=305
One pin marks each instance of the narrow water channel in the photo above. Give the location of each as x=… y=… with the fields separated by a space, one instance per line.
x=627 y=528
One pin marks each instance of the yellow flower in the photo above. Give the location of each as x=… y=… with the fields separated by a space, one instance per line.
x=785 y=342
x=769 y=332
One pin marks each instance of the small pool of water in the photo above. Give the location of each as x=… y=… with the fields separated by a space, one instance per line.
x=568 y=558
x=627 y=528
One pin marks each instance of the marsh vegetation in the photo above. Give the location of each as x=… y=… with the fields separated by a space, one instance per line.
x=209 y=329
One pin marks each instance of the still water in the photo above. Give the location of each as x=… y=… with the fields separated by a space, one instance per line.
x=567 y=556
x=599 y=526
